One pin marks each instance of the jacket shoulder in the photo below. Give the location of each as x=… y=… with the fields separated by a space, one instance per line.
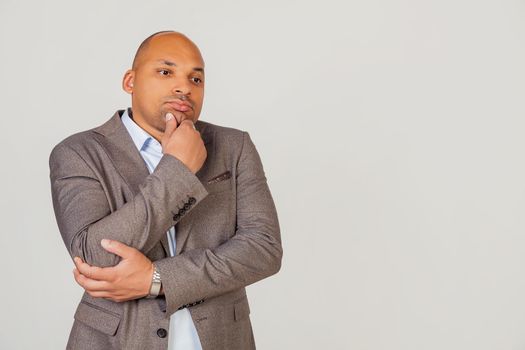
x=221 y=130
x=223 y=134
x=86 y=140
x=77 y=143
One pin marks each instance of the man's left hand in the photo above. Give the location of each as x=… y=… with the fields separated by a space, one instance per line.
x=129 y=279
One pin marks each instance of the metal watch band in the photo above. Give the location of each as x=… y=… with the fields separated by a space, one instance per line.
x=155 y=284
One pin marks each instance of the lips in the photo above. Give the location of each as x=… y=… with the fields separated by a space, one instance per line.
x=180 y=106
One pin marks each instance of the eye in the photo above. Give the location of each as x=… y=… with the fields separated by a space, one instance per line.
x=196 y=80
x=164 y=72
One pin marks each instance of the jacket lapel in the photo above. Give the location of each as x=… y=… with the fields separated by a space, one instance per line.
x=120 y=148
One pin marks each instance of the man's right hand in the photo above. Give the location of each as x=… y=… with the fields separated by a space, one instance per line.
x=184 y=143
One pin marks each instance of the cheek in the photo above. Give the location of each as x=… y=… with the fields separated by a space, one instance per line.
x=198 y=108
x=199 y=99
x=149 y=95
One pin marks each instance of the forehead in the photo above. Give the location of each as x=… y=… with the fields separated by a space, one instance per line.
x=173 y=47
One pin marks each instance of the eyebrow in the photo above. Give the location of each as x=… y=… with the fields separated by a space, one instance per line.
x=172 y=64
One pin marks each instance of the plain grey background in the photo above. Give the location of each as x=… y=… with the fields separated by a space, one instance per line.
x=391 y=132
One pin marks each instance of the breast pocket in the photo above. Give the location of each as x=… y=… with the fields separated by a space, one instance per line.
x=219 y=183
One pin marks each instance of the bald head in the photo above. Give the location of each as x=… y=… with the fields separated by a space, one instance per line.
x=167 y=77
x=162 y=38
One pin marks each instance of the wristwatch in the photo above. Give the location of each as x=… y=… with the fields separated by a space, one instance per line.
x=155 y=284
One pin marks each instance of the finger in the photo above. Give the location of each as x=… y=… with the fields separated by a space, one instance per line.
x=105 y=295
x=95 y=272
x=118 y=248
x=188 y=123
x=82 y=266
x=171 y=126
x=90 y=284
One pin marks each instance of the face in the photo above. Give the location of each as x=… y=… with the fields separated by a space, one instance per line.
x=167 y=77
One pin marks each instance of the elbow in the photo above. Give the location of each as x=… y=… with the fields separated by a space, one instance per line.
x=91 y=251
x=274 y=249
x=77 y=246
x=278 y=260
x=274 y=264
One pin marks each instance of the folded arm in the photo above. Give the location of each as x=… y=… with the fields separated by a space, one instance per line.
x=253 y=253
x=85 y=215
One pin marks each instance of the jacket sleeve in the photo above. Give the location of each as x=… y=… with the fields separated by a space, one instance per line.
x=253 y=253
x=85 y=215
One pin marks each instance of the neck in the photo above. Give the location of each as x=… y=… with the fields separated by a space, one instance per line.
x=150 y=129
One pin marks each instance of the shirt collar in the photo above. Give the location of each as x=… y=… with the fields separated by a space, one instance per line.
x=140 y=137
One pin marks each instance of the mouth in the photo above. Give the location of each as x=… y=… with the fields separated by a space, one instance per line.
x=180 y=106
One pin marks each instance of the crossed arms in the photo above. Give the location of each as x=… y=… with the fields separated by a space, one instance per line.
x=85 y=217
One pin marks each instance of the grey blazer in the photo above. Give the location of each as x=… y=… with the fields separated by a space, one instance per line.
x=228 y=233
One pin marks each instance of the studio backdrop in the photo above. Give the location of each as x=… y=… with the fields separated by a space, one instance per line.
x=391 y=134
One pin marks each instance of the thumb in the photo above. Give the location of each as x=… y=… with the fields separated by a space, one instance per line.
x=117 y=248
x=171 y=126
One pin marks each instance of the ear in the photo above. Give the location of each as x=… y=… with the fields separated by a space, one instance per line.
x=127 y=81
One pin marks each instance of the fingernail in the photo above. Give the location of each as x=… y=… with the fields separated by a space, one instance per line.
x=169 y=116
x=105 y=243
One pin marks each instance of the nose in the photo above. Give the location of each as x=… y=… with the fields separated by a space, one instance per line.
x=182 y=87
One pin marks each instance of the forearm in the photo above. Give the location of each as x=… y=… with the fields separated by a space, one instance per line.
x=204 y=273
x=142 y=222
x=85 y=217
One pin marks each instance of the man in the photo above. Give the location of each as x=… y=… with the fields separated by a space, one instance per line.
x=168 y=218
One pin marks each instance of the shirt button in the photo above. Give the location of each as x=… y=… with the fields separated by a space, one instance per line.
x=162 y=333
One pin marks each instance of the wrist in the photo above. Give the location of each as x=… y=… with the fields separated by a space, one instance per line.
x=156 y=283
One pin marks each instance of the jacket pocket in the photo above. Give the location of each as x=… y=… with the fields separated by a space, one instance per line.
x=221 y=177
x=98 y=318
x=219 y=183
x=241 y=309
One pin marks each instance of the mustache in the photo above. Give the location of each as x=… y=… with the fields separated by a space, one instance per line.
x=180 y=97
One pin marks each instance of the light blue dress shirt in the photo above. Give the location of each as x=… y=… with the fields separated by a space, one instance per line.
x=182 y=334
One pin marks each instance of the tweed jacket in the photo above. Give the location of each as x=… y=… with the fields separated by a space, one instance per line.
x=227 y=228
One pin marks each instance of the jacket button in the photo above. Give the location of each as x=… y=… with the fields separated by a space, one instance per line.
x=162 y=333
x=186 y=206
x=192 y=200
x=176 y=217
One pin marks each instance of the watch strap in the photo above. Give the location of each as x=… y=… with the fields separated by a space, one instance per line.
x=156 y=282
